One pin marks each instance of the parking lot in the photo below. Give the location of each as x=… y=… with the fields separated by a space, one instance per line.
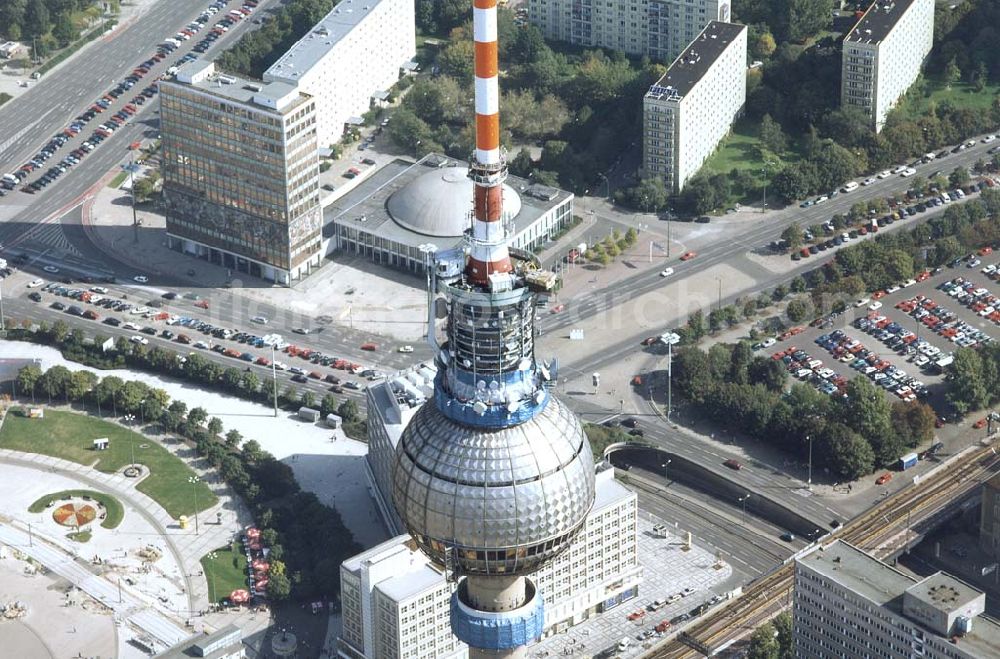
x=903 y=337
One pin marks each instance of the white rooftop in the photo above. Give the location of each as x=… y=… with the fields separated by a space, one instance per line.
x=410 y=585
x=323 y=36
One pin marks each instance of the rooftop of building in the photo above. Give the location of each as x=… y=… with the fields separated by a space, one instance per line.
x=695 y=61
x=380 y=552
x=886 y=586
x=607 y=490
x=310 y=49
x=272 y=96
x=201 y=645
x=876 y=23
x=418 y=582
x=430 y=201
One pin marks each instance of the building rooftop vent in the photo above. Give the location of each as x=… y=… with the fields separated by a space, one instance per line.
x=227 y=80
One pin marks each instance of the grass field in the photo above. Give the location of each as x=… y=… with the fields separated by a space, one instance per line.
x=114 y=507
x=70 y=436
x=118 y=179
x=225 y=573
x=741 y=150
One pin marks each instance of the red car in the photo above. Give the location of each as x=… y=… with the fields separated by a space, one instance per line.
x=371 y=347
x=733 y=464
x=557 y=308
x=883 y=479
x=687 y=256
x=637 y=615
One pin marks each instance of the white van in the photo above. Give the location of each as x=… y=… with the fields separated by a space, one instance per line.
x=624 y=644
x=850 y=187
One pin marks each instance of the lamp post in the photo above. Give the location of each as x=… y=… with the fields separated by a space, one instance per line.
x=719 y=279
x=809 y=482
x=274 y=379
x=130 y=419
x=767 y=163
x=131 y=177
x=194 y=480
x=743 y=500
x=665 y=465
x=142 y=413
x=213 y=596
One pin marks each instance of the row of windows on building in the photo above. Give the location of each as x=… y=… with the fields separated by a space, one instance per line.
x=246 y=245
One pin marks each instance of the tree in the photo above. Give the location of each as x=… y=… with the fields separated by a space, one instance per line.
x=37 y=21
x=867 y=412
x=847 y=453
x=790 y=184
x=967 y=390
x=328 y=405
x=959 y=177
x=348 y=411
x=914 y=421
x=215 y=426
x=53 y=381
x=763 y=644
x=251 y=451
x=28 y=377
x=692 y=375
x=231 y=378
x=783 y=627
x=233 y=438
x=80 y=384
x=197 y=416
x=307 y=399
x=799 y=309
x=952 y=73
x=278 y=587
x=763 y=46
x=771 y=135
x=63 y=31
x=178 y=407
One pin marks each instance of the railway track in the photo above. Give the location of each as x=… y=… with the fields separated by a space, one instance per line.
x=875 y=531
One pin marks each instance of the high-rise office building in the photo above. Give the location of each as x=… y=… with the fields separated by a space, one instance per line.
x=355 y=53
x=693 y=106
x=241 y=173
x=883 y=54
x=850 y=604
x=658 y=28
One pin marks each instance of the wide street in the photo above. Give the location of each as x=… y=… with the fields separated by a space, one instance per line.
x=30 y=120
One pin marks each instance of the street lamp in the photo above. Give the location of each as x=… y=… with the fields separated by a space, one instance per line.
x=142 y=412
x=767 y=163
x=194 y=480
x=743 y=500
x=130 y=419
x=665 y=465
x=809 y=483
x=213 y=596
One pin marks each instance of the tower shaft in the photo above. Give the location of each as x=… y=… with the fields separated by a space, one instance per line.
x=488 y=169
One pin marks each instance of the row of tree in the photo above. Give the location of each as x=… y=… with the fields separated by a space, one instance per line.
x=194 y=368
x=851 y=434
x=302 y=533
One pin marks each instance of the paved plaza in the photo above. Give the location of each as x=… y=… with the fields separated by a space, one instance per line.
x=668 y=568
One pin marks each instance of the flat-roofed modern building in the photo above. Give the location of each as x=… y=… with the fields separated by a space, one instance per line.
x=241 y=173
x=394 y=607
x=404 y=205
x=355 y=52
x=658 y=28
x=850 y=604
x=693 y=106
x=883 y=54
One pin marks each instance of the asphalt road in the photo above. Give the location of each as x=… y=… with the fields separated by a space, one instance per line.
x=674 y=308
x=30 y=120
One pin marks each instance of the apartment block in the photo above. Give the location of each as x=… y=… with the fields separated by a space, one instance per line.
x=658 y=28
x=352 y=56
x=241 y=173
x=883 y=54
x=688 y=111
x=850 y=604
x=989 y=519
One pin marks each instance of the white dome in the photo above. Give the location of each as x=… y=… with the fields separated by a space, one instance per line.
x=439 y=203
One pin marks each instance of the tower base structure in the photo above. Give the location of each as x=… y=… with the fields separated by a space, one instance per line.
x=497 y=616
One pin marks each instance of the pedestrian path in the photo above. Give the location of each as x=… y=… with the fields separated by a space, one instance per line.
x=113 y=596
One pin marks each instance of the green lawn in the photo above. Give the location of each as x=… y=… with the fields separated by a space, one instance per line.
x=118 y=179
x=741 y=150
x=960 y=95
x=114 y=507
x=70 y=436
x=225 y=573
